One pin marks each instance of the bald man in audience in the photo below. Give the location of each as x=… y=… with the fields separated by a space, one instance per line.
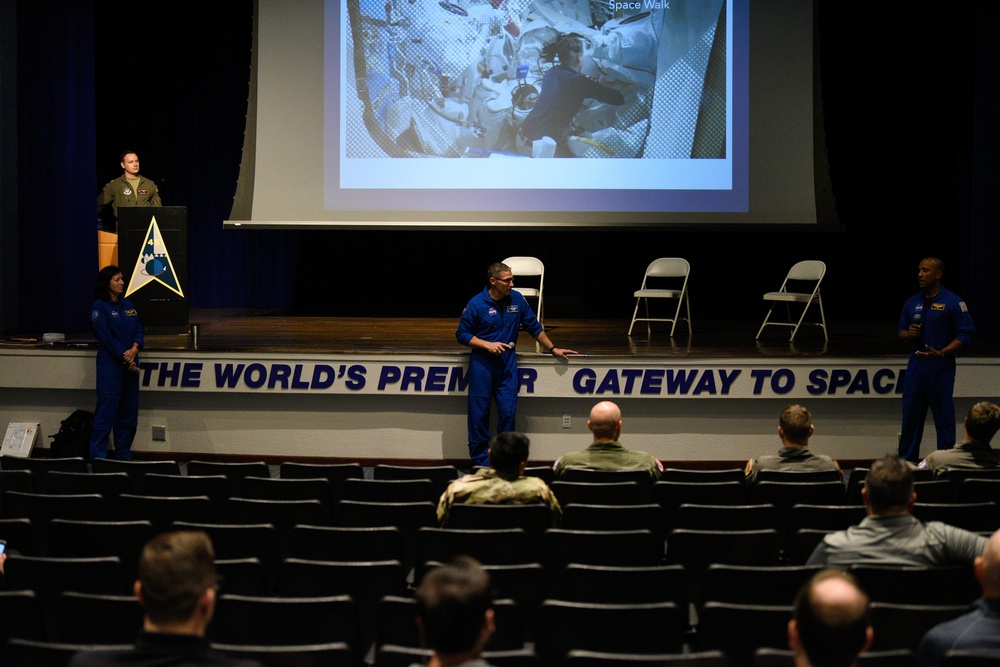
x=831 y=622
x=795 y=427
x=981 y=423
x=606 y=453
x=979 y=630
x=890 y=535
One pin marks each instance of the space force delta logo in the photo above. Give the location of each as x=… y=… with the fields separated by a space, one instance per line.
x=153 y=264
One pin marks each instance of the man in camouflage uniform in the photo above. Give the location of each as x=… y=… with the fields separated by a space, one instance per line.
x=606 y=453
x=795 y=427
x=503 y=483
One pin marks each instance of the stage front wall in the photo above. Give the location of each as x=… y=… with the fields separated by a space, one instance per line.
x=413 y=406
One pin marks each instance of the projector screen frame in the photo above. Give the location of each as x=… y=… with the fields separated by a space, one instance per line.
x=823 y=213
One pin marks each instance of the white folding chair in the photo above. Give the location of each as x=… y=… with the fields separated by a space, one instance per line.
x=524 y=267
x=665 y=267
x=806 y=271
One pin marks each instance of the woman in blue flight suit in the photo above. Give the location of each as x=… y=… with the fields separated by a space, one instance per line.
x=118 y=331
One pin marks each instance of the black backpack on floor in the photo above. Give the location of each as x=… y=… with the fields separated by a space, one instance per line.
x=73 y=438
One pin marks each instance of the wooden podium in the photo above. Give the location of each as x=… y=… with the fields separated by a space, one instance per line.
x=107 y=249
x=152 y=252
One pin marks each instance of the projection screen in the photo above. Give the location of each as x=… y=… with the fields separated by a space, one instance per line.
x=417 y=113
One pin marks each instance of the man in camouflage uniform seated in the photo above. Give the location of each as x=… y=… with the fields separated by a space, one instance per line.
x=503 y=483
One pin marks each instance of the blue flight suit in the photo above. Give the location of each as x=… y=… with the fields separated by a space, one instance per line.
x=931 y=383
x=493 y=375
x=116 y=327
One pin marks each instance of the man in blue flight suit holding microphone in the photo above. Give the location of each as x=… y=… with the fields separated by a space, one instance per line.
x=937 y=325
x=489 y=325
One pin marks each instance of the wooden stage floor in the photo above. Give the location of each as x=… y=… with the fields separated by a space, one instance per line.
x=274 y=331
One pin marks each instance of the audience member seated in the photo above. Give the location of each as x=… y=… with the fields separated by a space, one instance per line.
x=176 y=588
x=606 y=453
x=979 y=630
x=890 y=534
x=455 y=613
x=503 y=483
x=795 y=427
x=831 y=622
x=981 y=424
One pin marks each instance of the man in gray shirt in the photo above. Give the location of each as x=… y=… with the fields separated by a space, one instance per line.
x=981 y=424
x=890 y=534
x=795 y=427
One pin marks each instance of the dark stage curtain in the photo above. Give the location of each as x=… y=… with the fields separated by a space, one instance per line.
x=172 y=82
x=57 y=236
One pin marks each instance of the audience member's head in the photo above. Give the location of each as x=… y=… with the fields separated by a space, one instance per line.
x=455 y=608
x=987 y=567
x=176 y=583
x=831 y=623
x=605 y=421
x=982 y=422
x=889 y=486
x=795 y=426
x=509 y=452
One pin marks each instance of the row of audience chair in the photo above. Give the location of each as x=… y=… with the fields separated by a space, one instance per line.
x=440 y=476
x=279 y=556
x=337 y=654
x=570 y=619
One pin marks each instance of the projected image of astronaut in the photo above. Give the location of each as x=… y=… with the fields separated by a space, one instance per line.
x=489 y=78
x=564 y=90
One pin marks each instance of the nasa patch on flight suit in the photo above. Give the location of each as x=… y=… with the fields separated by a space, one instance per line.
x=937 y=306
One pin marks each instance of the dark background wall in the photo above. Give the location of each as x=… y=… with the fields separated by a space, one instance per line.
x=908 y=117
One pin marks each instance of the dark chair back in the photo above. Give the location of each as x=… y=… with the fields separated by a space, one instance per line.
x=738 y=630
x=598 y=493
x=439 y=476
x=505 y=546
x=590 y=476
x=346 y=544
x=391 y=491
x=654 y=628
x=335 y=473
x=136 y=470
x=108 y=484
x=975 y=517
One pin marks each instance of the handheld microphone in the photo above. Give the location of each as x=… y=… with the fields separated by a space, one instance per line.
x=512 y=344
x=916 y=319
